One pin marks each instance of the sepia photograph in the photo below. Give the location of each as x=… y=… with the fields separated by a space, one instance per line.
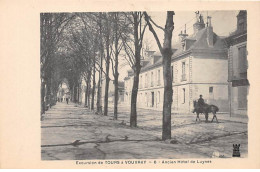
x=143 y=85
x=133 y=84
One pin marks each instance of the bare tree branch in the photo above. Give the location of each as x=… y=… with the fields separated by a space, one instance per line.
x=142 y=35
x=156 y=24
x=147 y=19
x=113 y=68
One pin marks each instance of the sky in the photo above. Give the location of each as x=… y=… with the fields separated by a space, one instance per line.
x=223 y=22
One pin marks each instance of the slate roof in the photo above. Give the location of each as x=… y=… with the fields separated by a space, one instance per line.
x=200 y=43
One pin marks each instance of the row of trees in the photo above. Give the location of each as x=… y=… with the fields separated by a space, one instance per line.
x=52 y=27
x=79 y=46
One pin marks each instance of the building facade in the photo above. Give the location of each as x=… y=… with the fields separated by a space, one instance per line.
x=238 y=65
x=111 y=91
x=199 y=67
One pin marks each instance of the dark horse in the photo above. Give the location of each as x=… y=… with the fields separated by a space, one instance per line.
x=205 y=109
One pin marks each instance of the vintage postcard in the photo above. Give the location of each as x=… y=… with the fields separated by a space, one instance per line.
x=118 y=84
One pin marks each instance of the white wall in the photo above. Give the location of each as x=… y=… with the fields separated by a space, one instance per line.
x=236 y=110
x=183 y=106
x=205 y=73
x=144 y=99
x=218 y=97
x=209 y=70
x=178 y=70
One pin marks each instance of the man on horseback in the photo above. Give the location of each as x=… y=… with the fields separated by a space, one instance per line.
x=201 y=107
x=201 y=102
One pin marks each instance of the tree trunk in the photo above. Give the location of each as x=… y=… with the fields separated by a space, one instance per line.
x=48 y=93
x=99 y=92
x=107 y=68
x=166 y=52
x=116 y=97
x=133 y=115
x=106 y=88
x=75 y=94
x=72 y=93
x=116 y=74
x=78 y=91
x=99 y=108
x=86 y=95
x=93 y=87
x=167 y=101
x=42 y=97
x=89 y=90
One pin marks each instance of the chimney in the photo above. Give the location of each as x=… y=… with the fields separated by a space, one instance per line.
x=148 y=54
x=242 y=21
x=183 y=37
x=199 y=23
x=209 y=32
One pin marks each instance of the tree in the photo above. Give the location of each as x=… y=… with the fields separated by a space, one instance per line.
x=134 y=56
x=93 y=81
x=52 y=26
x=82 y=61
x=108 y=42
x=166 y=52
x=119 y=26
x=78 y=46
x=90 y=21
x=93 y=24
x=101 y=53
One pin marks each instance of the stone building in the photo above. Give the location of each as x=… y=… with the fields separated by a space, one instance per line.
x=111 y=91
x=199 y=66
x=237 y=57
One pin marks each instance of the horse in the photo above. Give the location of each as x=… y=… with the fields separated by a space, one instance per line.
x=205 y=109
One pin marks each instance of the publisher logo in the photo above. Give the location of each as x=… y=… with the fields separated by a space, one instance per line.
x=236 y=152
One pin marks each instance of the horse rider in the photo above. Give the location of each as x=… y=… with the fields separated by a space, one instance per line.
x=199 y=105
x=201 y=102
